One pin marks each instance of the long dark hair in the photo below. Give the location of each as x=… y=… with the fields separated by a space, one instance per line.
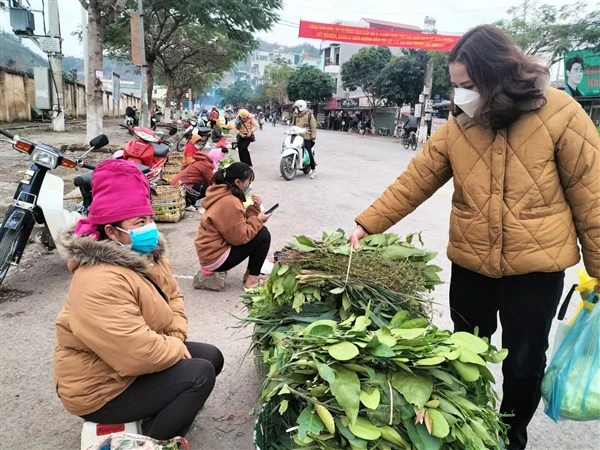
x=509 y=82
x=236 y=171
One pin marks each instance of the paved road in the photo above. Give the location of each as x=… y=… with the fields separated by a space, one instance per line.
x=352 y=171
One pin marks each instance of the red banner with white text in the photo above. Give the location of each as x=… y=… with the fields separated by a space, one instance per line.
x=373 y=36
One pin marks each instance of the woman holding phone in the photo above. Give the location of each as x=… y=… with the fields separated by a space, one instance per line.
x=229 y=233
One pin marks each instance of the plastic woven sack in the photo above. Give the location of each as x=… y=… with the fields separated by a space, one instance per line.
x=128 y=441
x=571 y=385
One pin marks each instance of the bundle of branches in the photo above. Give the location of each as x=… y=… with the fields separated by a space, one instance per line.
x=352 y=361
x=314 y=279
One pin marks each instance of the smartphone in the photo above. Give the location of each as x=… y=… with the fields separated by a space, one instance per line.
x=271 y=209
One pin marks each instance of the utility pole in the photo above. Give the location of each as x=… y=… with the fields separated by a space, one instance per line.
x=145 y=117
x=58 y=114
x=524 y=10
x=84 y=39
x=427 y=109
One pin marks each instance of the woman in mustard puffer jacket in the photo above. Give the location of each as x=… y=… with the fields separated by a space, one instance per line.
x=525 y=162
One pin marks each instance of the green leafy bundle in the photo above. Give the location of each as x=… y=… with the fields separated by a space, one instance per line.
x=352 y=361
x=226 y=162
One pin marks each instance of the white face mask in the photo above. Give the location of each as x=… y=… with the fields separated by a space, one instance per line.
x=466 y=100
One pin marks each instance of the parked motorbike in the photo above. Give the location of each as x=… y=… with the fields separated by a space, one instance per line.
x=38 y=201
x=294 y=156
x=148 y=149
x=194 y=127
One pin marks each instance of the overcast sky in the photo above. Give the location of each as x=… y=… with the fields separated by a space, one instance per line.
x=452 y=16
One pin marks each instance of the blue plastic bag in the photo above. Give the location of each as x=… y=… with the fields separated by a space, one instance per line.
x=571 y=385
x=306 y=158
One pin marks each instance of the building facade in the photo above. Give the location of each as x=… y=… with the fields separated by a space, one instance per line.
x=259 y=61
x=335 y=54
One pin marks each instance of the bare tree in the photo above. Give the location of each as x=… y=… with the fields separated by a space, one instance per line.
x=196 y=54
x=101 y=13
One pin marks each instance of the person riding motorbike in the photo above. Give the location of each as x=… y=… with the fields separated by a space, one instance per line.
x=131 y=112
x=303 y=117
x=213 y=116
x=229 y=114
x=204 y=115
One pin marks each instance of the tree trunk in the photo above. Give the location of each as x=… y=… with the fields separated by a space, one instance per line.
x=179 y=106
x=170 y=92
x=93 y=84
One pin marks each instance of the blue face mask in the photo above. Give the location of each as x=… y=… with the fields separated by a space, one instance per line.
x=143 y=239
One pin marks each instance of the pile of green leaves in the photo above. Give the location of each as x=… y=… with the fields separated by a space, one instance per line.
x=226 y=162
x=351 y=360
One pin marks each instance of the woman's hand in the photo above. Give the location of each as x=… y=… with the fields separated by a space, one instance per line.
x=256 y=200
x=358 y=233
x=186 y=352
x=263 y=217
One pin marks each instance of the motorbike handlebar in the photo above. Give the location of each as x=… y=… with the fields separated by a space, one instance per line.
x=7 y=134
x=88 y=166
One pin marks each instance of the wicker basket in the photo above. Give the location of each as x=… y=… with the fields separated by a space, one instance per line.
x=172 y=167
x=169 y=204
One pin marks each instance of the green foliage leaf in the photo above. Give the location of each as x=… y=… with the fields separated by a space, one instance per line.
x=416 y=389
x=343 y=351
x=365 y=429
x=468 y=341
x=346 y=390
x=309 y=422
x=440 y=428
x=468 y=372
x=370 y=397
x=420 y=437
x=433 y=361
x=320 y=328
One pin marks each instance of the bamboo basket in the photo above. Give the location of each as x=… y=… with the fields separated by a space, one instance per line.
x=172 y=167
x=169 y=204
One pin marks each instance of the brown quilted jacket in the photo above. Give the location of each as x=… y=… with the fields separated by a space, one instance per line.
x=522 y=196
x=115 y=325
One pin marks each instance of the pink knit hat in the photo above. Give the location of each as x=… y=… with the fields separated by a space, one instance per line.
x=120 y=191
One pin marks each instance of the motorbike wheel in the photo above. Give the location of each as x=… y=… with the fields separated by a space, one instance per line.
x=413 y=144
x=287 y=169
x=406 y=142
x=181 y=143
x=8 y=246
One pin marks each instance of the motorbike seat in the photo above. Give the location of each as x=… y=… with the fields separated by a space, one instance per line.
x=85 y=179
x=161 y=150
x=204 y=131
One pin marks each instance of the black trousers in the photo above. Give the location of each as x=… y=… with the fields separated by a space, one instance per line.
x=526 y=305
x=167 y=401
x=256 y=251
x=242 y=146
x=309 y=145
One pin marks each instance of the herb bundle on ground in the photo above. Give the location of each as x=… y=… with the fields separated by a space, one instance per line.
x=351 y=360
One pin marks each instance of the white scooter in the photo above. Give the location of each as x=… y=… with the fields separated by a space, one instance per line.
x=38 y=201
x=294 y=156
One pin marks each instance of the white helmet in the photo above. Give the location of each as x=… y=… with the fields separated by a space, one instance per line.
x=300 y=104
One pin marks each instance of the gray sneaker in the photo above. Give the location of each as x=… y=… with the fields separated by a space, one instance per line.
x=215 y=282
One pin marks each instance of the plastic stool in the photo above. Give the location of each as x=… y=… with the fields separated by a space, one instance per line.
x=93 y=433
